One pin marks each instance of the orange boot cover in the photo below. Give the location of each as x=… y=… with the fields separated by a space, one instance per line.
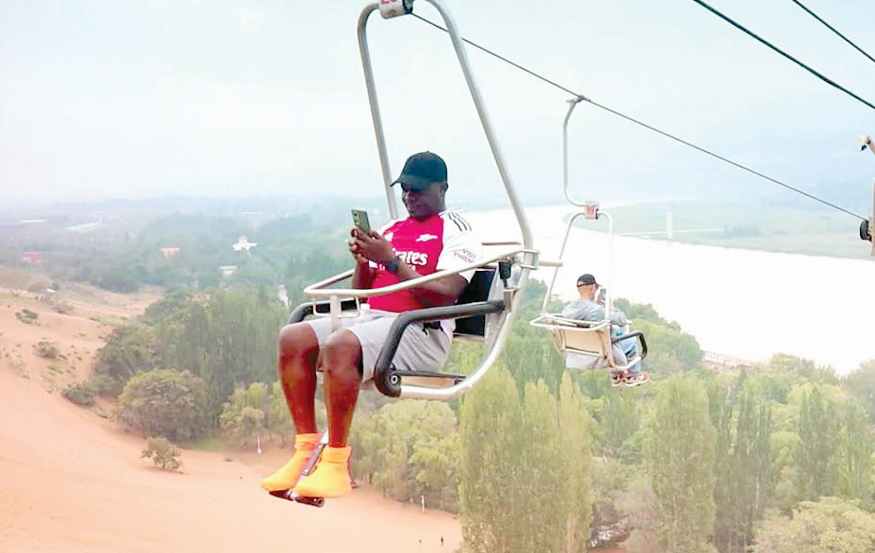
x=331 y=477
x=286 y=477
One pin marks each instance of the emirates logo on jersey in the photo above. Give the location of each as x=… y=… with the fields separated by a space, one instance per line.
x=413 y=258
x=426 y=237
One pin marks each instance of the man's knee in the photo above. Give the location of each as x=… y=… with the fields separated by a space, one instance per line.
x=297 y=339
x=341 y=351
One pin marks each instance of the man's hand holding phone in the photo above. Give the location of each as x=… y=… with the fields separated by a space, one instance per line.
x=366 y=244
x=370 y=247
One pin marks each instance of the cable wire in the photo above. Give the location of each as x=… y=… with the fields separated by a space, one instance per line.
x=645 y=125
x=822 y=77
x=831 y=28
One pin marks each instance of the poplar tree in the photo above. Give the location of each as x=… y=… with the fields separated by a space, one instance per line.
x=742 y=417
x=854 y=454
x=680 y=460
x=818 y=426
x=489 y=468
x=543 y=467
x=575 y=443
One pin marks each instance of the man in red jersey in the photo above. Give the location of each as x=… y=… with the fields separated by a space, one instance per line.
x=431 y=239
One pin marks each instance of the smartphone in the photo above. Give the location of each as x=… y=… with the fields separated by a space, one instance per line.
x=360 y=219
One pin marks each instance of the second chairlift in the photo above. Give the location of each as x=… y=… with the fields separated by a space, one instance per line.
x=586 y=345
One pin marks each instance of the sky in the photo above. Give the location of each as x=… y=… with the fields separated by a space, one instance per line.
x=147 y=98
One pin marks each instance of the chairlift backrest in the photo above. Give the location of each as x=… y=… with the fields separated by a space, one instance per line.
x=596 y=341
x=478 y=289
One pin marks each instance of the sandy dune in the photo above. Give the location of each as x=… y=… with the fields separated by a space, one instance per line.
x=73 y=482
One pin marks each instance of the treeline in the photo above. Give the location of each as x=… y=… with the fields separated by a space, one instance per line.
x=220 y=338
x=761 y=460
x=290 y=249
x=698 y=460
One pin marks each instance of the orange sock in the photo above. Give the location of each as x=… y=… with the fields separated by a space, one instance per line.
x=331 y=477
x=286 y=477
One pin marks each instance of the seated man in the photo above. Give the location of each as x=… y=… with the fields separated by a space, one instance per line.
x=429 y=240
x=587 y=309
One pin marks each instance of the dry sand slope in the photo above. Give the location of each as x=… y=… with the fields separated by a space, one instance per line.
x=73 y=482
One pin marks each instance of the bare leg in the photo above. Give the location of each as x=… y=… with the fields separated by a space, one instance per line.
x=298 y=351
x=339 y=361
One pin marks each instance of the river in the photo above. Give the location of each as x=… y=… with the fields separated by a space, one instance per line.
x=746 y=304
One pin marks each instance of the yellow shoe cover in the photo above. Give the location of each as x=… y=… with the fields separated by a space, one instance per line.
x=331 y=477
x=286 y=477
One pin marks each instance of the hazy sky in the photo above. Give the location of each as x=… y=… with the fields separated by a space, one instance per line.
x=133 y=98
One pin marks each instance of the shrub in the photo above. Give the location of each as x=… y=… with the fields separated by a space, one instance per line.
x=27 y=316
x=101 y=384
x=80 y=393
x=62 y=307
x=163 y=453
x=46 y=350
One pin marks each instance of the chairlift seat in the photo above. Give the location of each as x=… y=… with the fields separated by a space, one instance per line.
x=588 y=345
x=473 y=312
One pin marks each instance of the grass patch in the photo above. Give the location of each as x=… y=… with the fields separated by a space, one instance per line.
x=108 y=320
x=212 y=443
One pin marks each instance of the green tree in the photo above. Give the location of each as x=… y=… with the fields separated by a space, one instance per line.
x=671 y=351
x=405 y=450
x=243 y=417
x=783 y=363
x=861 y=385
x=489 y=469
x=129 y=350
x=163 y=453
x=680 y=460
x=829 y=525
x=854 y=455
x=575 y=497
x=742 y=417
x=785 y=446
x=818 y=427
x=164 y=402
x=226 y=338
x=620 y=423
x=544 y=465
x=278 y=421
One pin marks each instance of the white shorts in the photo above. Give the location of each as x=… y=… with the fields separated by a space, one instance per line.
x=420 y=348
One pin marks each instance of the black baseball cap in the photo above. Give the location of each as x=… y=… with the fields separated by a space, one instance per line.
x=422 y=169
x=586 y=279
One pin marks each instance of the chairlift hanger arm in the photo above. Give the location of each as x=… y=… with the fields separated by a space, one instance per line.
x=392 y=8
x=512 y=299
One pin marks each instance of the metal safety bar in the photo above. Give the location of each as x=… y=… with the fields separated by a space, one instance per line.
x=319 y=290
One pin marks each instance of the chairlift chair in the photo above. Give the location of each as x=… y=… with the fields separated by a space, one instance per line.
x=488 y=304
x=586 y=345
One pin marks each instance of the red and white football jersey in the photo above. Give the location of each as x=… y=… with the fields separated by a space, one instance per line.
x=443 y=241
